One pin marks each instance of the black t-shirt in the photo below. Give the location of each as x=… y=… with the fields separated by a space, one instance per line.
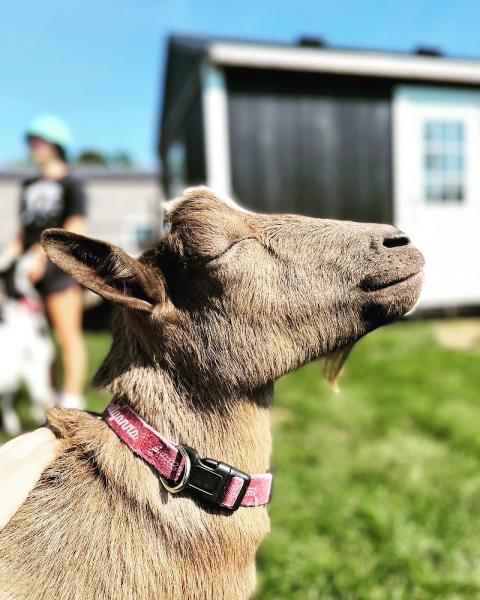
x=47 y=203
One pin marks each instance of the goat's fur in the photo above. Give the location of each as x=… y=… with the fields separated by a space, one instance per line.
x=226 y=303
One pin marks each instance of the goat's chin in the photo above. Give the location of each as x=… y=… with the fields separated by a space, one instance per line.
x=384 y=305
x=390 y=303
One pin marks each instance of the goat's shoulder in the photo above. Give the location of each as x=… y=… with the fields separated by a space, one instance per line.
x=73 y=524
x=91 y=529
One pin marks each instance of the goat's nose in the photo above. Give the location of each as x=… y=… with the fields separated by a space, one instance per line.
x=396 y=239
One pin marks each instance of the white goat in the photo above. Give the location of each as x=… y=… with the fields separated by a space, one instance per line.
x=26 y=351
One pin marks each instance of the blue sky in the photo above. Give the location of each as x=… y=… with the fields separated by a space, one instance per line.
x=99 y=63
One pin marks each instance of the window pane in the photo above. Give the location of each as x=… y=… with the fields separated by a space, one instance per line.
x=435 y=162
x=433 y=130
x=453 y=192
x=454 y=162
x=433 y=192
x=443 y=160
x=454 y=132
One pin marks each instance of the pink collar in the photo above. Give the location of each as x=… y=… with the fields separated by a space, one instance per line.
x=180 y=467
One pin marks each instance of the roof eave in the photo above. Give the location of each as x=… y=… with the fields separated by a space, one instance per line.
x=336 y=62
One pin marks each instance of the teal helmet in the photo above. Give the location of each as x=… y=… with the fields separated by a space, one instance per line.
x=51 y=129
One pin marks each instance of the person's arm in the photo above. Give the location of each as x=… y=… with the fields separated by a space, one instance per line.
x=22 y=462
x=11 y=251
x=76 y=224
x=16 y=245
x=75 y=207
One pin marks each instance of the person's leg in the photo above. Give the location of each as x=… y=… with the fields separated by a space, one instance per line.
x=11 y=422
x=64 y=310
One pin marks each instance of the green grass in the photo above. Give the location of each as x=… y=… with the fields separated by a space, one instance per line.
x=377 y=491
x=97 y=347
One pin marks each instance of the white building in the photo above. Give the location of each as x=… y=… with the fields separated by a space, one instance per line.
x=338 y=133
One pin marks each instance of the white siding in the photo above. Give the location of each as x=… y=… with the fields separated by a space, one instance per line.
x=445 y=229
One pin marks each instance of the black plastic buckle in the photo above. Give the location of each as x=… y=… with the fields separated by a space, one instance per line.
x=210 y=479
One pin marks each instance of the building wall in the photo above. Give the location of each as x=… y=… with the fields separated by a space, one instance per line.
x=180 y=141
x=9 y=197
x=311 y=144
x=120 y=208
x=183 y=155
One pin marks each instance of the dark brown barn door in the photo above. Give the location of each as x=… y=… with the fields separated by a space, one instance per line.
x=308 y=144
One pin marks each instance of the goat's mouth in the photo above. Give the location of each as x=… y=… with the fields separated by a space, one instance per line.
x=386 y=300
x=372 y=285
x=398 y=280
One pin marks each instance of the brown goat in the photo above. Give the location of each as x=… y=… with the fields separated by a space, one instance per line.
x=227 y=302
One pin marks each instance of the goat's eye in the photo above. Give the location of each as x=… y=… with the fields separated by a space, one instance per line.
x=227 y=250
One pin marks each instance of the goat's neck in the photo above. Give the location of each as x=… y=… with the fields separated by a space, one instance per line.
x=237 y=432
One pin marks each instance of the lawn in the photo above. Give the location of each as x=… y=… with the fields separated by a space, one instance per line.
x=377 y=492
x=378 y=488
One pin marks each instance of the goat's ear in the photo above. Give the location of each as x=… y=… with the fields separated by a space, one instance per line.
x=105 y=269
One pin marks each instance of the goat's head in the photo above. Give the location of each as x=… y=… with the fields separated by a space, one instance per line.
x=237 y=299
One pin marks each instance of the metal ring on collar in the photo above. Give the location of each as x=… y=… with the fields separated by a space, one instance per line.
x=186 y=474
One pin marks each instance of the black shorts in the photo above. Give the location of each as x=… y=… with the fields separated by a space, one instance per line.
x=55 y=280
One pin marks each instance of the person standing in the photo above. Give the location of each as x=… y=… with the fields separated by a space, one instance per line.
x=55 y=198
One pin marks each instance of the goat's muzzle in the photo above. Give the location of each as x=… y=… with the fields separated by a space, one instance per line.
x=396 y=276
